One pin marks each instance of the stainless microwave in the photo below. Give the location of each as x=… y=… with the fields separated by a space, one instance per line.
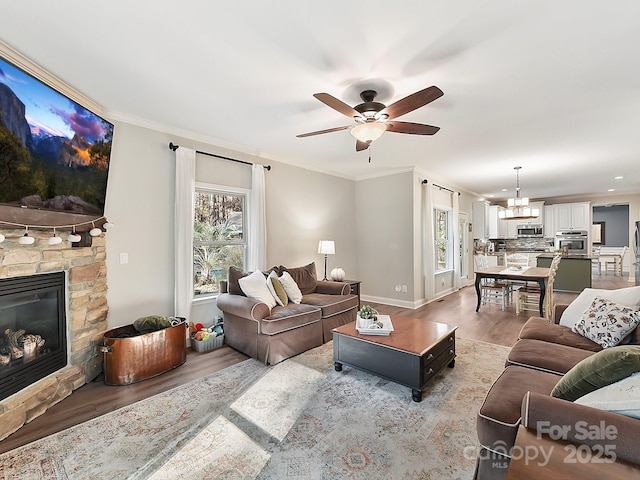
x=530 y=231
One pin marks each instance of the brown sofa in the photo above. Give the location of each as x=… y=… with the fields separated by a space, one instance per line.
x=272 y=335
x=521 y=395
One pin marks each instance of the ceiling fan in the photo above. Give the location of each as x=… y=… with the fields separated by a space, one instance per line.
x=374 y=118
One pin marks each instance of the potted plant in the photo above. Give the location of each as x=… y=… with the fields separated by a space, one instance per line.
x=368 y=317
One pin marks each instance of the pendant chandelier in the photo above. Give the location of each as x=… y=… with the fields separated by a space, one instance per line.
x=518 y=207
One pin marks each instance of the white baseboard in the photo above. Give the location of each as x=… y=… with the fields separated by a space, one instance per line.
x=394 y=302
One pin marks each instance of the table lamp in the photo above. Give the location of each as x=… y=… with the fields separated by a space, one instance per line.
x=326 y=247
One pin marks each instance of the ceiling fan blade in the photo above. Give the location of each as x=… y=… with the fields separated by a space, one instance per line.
x=361 y=145
x=411 y=128
x=328 y=130
x=336 y=104
x=413 y=101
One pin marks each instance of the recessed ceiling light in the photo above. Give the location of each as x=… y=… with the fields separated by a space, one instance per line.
x=619 y=177
x=491 y=196
x=611 y=190
x=503 y=190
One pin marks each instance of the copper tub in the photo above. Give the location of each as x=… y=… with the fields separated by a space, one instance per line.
x=131 y=359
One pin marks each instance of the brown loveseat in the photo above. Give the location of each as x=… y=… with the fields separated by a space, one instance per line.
x=521 y=399
x=272 y=335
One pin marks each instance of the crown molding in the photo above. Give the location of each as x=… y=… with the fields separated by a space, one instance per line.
x=35 y=70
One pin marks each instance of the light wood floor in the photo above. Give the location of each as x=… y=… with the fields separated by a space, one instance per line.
x=490 y=324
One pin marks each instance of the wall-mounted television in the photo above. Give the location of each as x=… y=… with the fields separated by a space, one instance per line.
x=54 y=153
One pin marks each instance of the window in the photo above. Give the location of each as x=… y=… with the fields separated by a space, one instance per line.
x=442 y=240
x=219 y=237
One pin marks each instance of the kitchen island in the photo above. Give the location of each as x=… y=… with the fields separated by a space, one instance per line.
x=574 y=272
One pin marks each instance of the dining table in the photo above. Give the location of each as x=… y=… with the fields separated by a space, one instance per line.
x=540 y=275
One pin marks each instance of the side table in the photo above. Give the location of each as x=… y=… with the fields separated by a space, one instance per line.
x=355 y=288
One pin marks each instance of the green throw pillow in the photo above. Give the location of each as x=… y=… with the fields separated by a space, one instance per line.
x=279 y=289
x=598 y=370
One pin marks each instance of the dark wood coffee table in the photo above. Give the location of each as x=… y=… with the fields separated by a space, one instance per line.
x=411 y=355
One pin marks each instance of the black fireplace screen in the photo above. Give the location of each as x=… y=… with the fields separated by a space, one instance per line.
x=32 y=330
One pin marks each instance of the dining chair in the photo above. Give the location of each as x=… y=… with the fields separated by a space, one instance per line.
x=616 y=263
x=517 y=259
x=595 y=259
x=491 y=291
x=528 y=297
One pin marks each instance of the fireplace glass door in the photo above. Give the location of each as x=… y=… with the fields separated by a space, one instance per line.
x=32 y=330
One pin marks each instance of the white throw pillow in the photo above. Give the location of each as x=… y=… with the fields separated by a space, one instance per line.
x=621 y=397
x=606 y=322
x=629 y=297
x=291 y=287
x=255 y=286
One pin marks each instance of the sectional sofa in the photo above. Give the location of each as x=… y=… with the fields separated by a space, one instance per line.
x=543 y=395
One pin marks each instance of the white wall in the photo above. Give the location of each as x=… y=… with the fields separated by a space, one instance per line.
x=140 y=204
x=385 y=238
x=303 y=207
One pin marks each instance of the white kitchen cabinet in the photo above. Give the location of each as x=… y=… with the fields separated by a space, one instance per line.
x=562 y=214
x=572 y=216
x=549 y=226
x=512 y=228
x=480 y=220
x=581 y=216
x=497 y=227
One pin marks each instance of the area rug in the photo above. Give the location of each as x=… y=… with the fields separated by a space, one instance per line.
x=299 y=419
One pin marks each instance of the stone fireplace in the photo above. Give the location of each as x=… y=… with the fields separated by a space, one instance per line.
x=86 y=318
x=33 y=329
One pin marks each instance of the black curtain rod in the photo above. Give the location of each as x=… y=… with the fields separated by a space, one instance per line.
x=174 y=147
x=425 y=181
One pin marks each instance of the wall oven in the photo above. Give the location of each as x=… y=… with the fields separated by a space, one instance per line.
x=576 y=241
x=529 y=231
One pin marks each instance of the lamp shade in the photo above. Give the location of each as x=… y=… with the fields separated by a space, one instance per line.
x=326 y=247
x=368 y=132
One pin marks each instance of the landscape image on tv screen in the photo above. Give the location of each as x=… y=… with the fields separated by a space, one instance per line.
x=54 y=153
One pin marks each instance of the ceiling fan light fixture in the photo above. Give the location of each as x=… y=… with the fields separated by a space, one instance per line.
x=368 y=132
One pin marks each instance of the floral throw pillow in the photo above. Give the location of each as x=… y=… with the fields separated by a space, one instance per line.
x=606 y=322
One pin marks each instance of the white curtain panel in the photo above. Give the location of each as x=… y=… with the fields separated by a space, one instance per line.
x=455 y=201
x=429 y=235
x=256 y=258
x=183 y=230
